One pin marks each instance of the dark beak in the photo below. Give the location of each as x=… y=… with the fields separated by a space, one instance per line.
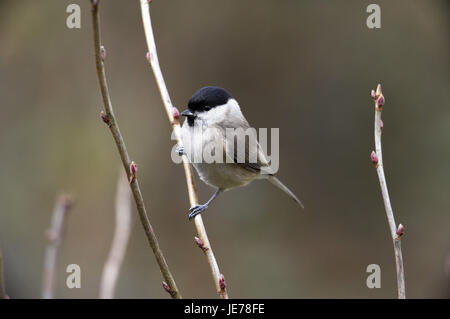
x=187 y=113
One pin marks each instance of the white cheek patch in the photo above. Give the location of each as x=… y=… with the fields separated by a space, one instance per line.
x=214 y=115
x=219 y=113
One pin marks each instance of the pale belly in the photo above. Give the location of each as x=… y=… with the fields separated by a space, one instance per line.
x=217 y=174
x=223 y=175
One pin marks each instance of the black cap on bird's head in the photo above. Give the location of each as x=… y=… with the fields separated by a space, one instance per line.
x=207 y=98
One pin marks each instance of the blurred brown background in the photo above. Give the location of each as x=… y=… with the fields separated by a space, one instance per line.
x=306 y=67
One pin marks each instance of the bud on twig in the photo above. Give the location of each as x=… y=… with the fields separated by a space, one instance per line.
x=148 y=56
x=381 y=124
x=374 y=158
x=222 y=282
x=105 y=118
x=380 y=101
x=200 y=244
x=133 y=171
x=373 y=95
x=175 y=113
x=400 y=230
x=103 y=53
x=166 y=287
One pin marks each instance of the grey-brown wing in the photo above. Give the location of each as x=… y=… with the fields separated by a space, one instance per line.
x=242 y=145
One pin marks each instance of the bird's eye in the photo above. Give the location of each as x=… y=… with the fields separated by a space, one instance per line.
x=207 y=108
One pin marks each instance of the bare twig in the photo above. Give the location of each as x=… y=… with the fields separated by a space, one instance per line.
x=3 y=294
x=55 y=235
x=172 y=114
x=377 y=160
x=120 y=240
x=129 y=166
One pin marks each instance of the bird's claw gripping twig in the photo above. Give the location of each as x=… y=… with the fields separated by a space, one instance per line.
x=195 y=210
x=180 y=150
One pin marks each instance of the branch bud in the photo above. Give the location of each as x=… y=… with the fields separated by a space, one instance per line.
x=105 y=118
x=148 y=56
x=222 y=282
x=175 y=113
x=400 y=230
x=133 y=171
x=374 y=158
x=380 y=101
x=103 y=53
x=166 y=287
x=381 y=124
x=373 y=95
x=200 y=244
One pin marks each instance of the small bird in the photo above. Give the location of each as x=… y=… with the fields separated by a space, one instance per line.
x=211 y=112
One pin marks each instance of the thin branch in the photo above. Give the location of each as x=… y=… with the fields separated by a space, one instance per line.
x=170 y=110
x=120 y=240
x=377 y=159
x=129 y=166
x=55 y=236
x=3 y=294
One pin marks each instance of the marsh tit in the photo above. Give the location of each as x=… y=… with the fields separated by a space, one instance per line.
x=214 y=122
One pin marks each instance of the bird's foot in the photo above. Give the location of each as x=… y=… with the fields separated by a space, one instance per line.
x=197 y=209
x=180 y=150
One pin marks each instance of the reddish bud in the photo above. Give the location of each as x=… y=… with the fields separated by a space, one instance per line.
x=373 y=95
x=222 y=282
x=380 y=101
x=400 y=230
x=381 y=124
x=133 y=171
x=133 y=168
x=374 y=158
x=102 y=52
x=149 y=1
x=175 y=113
x=104 y=117
x=166 y=287
x=147 y=56
x=199 y=242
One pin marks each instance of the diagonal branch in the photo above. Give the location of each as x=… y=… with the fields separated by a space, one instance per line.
x=55 y=235
x=377 y=159
x=129 y=166
x=119 y=244
x=153 y=59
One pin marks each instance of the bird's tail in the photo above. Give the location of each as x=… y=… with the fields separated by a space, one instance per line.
x=275 y=181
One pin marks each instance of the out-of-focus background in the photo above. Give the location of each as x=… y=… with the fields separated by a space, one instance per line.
x=306 y=67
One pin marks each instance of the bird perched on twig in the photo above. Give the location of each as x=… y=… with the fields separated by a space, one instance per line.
x=211 y=116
